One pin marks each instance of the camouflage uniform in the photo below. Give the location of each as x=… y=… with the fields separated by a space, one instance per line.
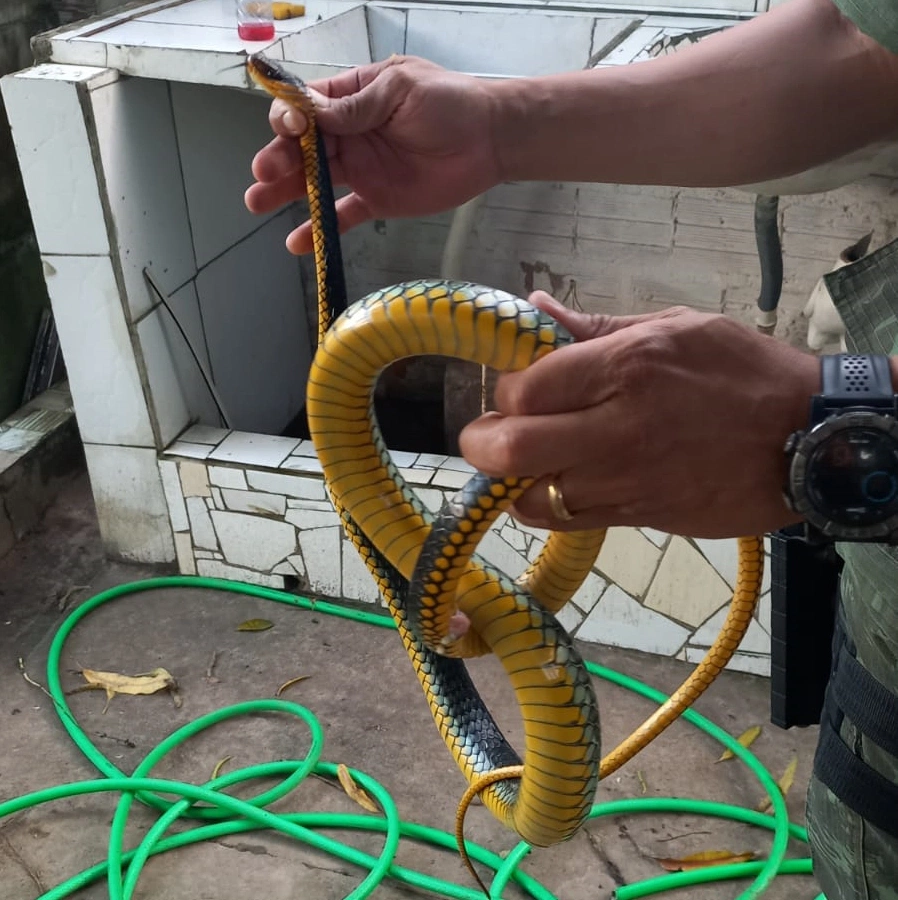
x=854 y=859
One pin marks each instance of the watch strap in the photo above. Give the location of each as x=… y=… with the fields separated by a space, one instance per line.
x=850 y=380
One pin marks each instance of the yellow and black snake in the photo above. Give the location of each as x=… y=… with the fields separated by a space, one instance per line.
x=426 y=565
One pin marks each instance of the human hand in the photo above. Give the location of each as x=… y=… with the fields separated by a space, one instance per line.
x=407 y=136
x=673 y=420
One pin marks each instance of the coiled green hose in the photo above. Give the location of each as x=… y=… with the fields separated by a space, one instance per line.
x=222 y=814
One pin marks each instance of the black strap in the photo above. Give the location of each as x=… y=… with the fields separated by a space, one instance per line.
x=873 y=709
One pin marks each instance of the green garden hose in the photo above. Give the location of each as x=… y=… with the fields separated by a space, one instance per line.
x=217 y=814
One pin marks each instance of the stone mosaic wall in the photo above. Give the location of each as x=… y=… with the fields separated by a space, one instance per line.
x=254 y=508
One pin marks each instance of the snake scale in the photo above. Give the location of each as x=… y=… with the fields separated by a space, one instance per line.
x=426 y=566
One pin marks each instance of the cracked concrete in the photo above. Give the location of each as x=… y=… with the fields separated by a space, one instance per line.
x=363 y=691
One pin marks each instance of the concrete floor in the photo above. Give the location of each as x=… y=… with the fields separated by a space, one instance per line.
x=364 y=692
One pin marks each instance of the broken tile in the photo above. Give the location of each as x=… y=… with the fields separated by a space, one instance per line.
x=658 y=538
x=756 y=640
x=358 y=583
x=686 y=586
x=254 y=502
x=318 y=505
x=449 y=479
x=227 y=477
x=291 y=485
x=431 y=460
x=204 y=434
x=298 y=566
x=200 y=524
x=516 y=538
x=569 y=618
x=188 y=450
x=457 y=464
x=402 y=459
x=723 y=555
x=300 y=463
x=194 y=479
x=253 y=541
x=588 y=595
x=501 y=554
x=629 y=559
x=174 y=498
x=214 y=568
x=321 y=550
x=619 y=621
x=417 y=476
x=431 y=498
x=309 y=519
x=764 y=610
x=267 y=450
x=184 y=552
x=305 y=448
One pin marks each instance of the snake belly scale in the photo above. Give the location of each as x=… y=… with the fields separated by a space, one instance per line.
x=425 y=565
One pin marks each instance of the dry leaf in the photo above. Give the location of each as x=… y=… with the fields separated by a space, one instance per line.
x=705 y=859
x=255 y=625
x=783 y=784
x=218 y=767
x=114 y=683
x=290 y=683
x=747 y=738
x=642 y=781
x=353 y=791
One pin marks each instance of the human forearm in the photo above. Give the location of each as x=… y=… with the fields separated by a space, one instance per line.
x=792 y=89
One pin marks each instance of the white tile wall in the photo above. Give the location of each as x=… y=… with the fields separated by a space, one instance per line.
x=218 y=134
x=139 y=152
x=99 y=355
x=386 y=30
x=339 y=40
x=256 y=329
x=131 y=506
x=55 y=158
x=500 y=43
x=167 y=398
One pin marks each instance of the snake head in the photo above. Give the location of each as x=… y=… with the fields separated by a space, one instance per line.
x=278 y=82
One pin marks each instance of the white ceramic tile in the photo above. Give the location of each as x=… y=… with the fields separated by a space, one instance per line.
x=98 y=352
x=171 y=487
x=590 y=591
x=756 y=640
x=631 y=47
x=628 y=559
x=130 y=503
x=302 y=464
x=192 y=451
x=339 y=40
x=417 y=476
x=608 y=33
x=200 y=524
x=253 y=449
x=432 y=461
x=305 y=448
x=448 y=479
x=228 y=477
x=139 y=152
x=218 y=133
x=257 y=331
x=254 y=502
x=184 y=552
x=166 y=396
x=431 y=498
x=741 y=662
x=160 y=35
x=215 y=501
x=204 y=434
x=686 y=587
x=501 y=554
x=321 y=551
x=723 y=555
x=307 y=519
x=456 y=464
x=517 y=539
x=291 y=485
x=358 y=583
x=658 y=538
x=317 y=505
x=56 y=162
x=764 y=611
x=570 y=618
x=214 y=568
x=499 y=43
x=403 y=459
x=619 y=621
x=386 y=30
x=253 y=541
x=194 y=479
x=299 y=567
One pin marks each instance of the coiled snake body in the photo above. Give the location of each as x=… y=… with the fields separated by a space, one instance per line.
x=426 y=565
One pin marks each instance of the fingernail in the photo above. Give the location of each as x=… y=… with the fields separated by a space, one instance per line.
x=291 y=122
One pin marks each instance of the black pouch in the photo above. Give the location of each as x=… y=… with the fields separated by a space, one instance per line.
x=804 y=589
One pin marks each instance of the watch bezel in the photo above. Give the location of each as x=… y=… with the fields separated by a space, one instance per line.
x=804 y=446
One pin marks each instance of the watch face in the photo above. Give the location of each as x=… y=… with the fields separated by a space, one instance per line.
x=844 y=476
x=852 y=476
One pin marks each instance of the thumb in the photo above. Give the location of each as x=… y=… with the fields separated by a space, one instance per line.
x=584 y=326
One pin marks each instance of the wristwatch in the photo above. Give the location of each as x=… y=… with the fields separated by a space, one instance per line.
x=843 y=470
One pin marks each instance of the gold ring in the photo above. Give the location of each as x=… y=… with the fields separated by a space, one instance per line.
x=556 y=503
